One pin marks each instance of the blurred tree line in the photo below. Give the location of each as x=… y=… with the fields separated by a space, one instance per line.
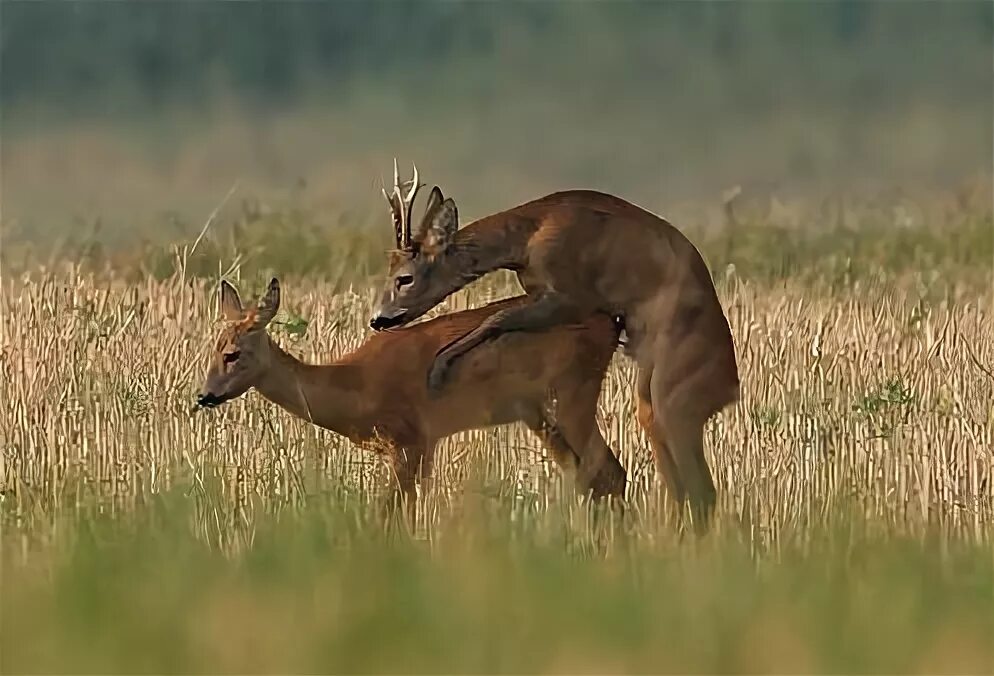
x=67 y=55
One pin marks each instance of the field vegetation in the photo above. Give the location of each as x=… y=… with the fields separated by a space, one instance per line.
x=855 y=476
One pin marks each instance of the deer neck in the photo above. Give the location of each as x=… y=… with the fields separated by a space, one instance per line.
x=327 y=395
x=492 y=243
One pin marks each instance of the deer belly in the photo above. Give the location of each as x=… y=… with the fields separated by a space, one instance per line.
x=475 y=410
x=504 y=412
x=496 y=386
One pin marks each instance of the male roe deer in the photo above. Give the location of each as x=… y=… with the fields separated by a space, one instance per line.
x=379 y=393
x=576 y=253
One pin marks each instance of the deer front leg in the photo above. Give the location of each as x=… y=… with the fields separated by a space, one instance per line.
x=546 y=311
x=404 y=462
x=426 y=469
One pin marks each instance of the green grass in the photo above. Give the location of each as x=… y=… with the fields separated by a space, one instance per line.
x=323 y=587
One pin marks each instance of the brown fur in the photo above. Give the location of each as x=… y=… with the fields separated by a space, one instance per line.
x=378 y=392
x=580 y=252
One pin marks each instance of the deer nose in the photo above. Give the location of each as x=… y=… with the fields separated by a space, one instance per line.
x=208 y=400
x=380 y=322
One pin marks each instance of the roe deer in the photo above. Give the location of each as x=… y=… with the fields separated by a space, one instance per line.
x=550 y=381
x=576 y=253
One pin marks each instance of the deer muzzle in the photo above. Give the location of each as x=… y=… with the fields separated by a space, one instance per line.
x=381 y=322
x=209 y=400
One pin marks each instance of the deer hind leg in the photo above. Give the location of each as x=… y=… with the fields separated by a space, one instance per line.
x=661 y=452
x=680 y=410
x=610 y=479
x=665 y=463
x=554 y=441
x=574 y=415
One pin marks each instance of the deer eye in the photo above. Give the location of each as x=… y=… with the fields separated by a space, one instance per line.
x=403 y=280
x=231 y=357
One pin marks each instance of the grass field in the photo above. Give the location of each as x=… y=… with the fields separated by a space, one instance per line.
x=855 y=477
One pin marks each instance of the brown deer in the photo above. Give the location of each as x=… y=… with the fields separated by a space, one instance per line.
x=377 y=395
x=576 y=253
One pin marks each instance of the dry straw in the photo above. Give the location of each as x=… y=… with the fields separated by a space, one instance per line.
x=864 y=395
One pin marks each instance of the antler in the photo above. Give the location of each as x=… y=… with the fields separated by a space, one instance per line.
x=401 y=205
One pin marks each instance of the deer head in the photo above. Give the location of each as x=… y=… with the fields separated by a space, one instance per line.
x=416 y=281
x=242 y=352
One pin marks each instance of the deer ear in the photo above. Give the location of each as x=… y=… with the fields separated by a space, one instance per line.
x=269 y=304
x=434 y=202
x=439 y=227
x=230 y=303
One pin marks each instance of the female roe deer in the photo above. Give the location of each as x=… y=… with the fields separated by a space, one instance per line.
x=378 y=392
x=576 y=253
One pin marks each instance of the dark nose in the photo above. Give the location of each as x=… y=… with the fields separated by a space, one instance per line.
x=208 y=400
x=382 y=321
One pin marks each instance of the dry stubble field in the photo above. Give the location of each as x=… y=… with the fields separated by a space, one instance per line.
x=856 y=482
